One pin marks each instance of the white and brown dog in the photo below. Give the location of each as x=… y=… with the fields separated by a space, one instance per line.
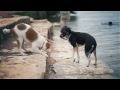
x=25 y=33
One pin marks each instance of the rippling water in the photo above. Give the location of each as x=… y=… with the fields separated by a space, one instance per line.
x=108 y=37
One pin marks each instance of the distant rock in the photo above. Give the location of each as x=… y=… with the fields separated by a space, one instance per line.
x=110 y=23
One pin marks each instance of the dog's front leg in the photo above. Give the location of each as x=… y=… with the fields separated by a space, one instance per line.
x=23 y=47
x=36 y=50
x=78 y=55
x=20 y=42
x=74 y=50
x=73 y=54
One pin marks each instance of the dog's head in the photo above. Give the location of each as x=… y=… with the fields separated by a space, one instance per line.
x=65 y=33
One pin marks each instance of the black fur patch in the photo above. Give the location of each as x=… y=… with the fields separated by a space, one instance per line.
x=80 y=39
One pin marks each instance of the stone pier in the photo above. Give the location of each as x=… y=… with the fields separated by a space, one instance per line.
x=66 y=69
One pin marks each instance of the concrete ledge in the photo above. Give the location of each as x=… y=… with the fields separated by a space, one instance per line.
x=10 y=22
x=23 y=67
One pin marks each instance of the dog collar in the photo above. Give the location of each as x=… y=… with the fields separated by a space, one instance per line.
x=69 y=36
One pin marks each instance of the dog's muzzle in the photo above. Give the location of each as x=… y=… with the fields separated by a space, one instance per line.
x=61 y=36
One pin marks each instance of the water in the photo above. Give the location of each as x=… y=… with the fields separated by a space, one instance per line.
x=108 y=37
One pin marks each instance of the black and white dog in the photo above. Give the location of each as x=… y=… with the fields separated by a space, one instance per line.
x=76 y=39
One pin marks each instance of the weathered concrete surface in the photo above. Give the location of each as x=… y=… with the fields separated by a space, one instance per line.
x=14 y=66
x=66 y=69
x=10 y=22
x=42 y=26
x=23 y=67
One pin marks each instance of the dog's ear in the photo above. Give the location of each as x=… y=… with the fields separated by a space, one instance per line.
x=68 y=30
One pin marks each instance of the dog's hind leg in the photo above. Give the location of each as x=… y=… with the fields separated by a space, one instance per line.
x=89 y=59
x=95 y=58
x=88 y=51
x=78 y=54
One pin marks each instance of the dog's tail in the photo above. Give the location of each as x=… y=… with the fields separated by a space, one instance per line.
x=6 y=31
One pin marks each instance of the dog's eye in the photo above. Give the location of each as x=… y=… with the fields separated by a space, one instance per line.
x=64 y=34
x=67 y=33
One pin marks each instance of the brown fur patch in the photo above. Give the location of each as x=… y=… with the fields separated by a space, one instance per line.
x=21 y=26
x=48 y=45
x=31 y=35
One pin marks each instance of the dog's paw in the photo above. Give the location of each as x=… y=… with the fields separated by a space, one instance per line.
x=95 y=65
x=23 y=54
x=46 y=55
x=22 y=50
x=87 y=66
x=28 y=52
x=68 y=57
x=77 y=61
x=74 y=60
